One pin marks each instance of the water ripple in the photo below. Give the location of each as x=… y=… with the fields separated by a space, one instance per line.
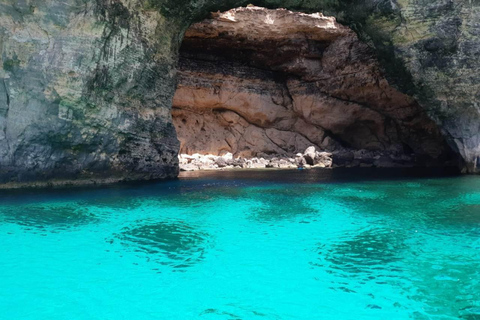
x=51 y=217
x=284 y=202
x=372 y=255
x=175 y=244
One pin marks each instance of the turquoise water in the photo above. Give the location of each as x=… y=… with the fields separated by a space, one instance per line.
x=325 y=244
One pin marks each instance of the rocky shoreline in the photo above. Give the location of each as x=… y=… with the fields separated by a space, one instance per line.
x=99 y=90
x=310 y=158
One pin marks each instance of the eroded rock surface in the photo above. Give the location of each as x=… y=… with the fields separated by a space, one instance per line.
x=257 y=81
x=84 y=94
x=86 y=85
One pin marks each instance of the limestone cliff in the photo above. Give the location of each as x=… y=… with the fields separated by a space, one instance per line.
x=253 y=80
x=86 y=85
x=85 y=91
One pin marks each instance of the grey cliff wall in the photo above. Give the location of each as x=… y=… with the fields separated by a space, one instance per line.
x=86 y=86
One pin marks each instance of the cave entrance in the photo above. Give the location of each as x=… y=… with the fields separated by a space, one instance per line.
x=255 y=82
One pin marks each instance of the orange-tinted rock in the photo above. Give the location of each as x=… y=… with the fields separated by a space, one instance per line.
x=253 y=80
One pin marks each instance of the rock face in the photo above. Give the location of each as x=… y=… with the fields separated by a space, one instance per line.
x=84 y=94
x=432 y=48
x=257 y=81
x=86 y=85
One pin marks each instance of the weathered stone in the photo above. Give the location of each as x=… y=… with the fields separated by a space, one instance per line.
x=300 y=161
x=220 y=162
x=86 y=86
x=188 y=167
x=85 y=93
x=309 y=155
x=233 y=96
x=323 y=159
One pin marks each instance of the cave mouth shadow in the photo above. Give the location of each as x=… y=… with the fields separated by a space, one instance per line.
x=257 y=82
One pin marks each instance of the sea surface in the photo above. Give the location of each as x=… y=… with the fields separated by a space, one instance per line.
x=318 y=244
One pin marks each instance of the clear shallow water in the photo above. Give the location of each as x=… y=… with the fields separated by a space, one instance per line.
x=340 y=244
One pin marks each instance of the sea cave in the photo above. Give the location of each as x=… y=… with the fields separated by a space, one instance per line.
x=153 y=158
x=257 y=83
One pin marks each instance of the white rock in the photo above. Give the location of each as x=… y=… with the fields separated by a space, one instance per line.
x=228 y=156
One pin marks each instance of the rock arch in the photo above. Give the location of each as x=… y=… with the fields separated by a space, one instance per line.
x=86 y=86
x=255 y=81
